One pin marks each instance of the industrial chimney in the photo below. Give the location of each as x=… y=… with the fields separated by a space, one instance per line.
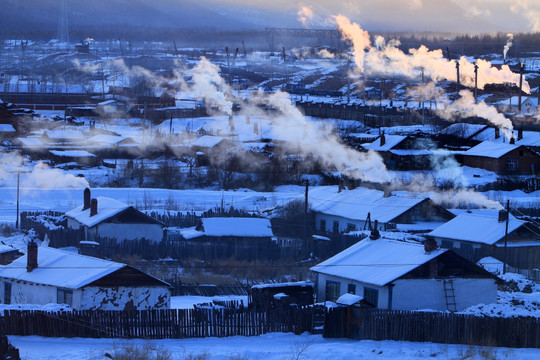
x=31 y=256
x=503 y=215
x=430 y=245
x=93 y=207
x=87 y=197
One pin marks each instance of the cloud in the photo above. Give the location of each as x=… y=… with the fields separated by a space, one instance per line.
x=305 y=14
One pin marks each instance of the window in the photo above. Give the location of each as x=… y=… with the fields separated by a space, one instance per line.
x=351 y=227
x=335 y=227
x=64 y=296
x=512 y=165
x=351 y=289
x=323 y=225
x=332 y=290
x=371 y=296
x=7 y=293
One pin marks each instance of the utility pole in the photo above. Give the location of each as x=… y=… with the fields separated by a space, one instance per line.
x=458 y=79
x=306 y=181
x=475 y=83
x=506 y=236
x=521 y=71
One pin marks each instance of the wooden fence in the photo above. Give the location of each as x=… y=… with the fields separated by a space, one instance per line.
x=157 y=324
x=435 y=327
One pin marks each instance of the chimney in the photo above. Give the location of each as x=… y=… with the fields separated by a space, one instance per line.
x=512 y=139
x=387 y=192
x=375 y=231
x=31 y=256
x=430 y=245
x=352 y=185
x=503 y=215
x=93 y=207
x=520 y=134
x=497 y=133
x=383 y=139
x=86 y=203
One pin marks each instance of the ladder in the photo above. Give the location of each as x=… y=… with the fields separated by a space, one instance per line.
x=449 y=295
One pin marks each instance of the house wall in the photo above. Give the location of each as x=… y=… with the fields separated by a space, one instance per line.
x=344 y=283
x=125 y=298
x=526 y=159
x=343 y=223
x=152 y=232
x=30 y=293
x=416 y=294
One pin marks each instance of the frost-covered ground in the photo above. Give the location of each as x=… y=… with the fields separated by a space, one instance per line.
x=275 y=346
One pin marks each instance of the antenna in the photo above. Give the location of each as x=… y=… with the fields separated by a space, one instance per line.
x=63 y=34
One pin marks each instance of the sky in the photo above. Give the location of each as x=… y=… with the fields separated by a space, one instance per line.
x=478 y=16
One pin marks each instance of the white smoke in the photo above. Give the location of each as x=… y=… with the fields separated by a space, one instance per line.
x=390 y=60
x=508 y=45
x=530 y=10
x=39 y=176
x=211 y=87
x=319 y=140
x=305 y=14
x=466 y=106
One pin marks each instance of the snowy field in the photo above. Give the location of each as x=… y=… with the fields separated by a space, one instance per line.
x=275 y=346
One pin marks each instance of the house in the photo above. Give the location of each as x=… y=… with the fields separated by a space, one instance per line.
x=112 y=108
x=351 y=210
x=502 y=158
x=109 y=218
x=74 y=157
x=529 y=105
x=264 y=296
x=399 y=275
x=484 y=228
x=46 y=275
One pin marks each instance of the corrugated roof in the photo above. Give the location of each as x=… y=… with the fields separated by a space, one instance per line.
x=61 y=269
x=476 y=228
x=377 y=262
x=356 y=204
x=244 y=227
x=107 y=208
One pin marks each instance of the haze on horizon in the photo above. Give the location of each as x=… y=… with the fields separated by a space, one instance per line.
x=375 y=15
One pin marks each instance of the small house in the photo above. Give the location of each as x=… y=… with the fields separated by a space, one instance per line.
x=46 y=275
x=264 y=296
x=400 y=275
x=104 y=217
x=502 y=158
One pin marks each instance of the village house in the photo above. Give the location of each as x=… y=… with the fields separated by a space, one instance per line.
x=475 y=235
x=529 y=105
x=8 y=254
x=351 y=210
x=502 y=158
x=46 y=275
x=104 y=217
x=400 y=275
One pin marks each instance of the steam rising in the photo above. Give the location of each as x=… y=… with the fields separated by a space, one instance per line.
x=305 y=14
x=508 y=45
x=387 y=59
x=211 y=86
x=466 y=105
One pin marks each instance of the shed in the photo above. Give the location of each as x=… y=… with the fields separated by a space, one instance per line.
x=264 y=296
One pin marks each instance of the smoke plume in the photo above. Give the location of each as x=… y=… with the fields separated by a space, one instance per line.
x=466 y=106
x=390 y=60
x=508 y=45
x=305 y=14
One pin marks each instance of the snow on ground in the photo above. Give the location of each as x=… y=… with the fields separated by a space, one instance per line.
x=275 y=346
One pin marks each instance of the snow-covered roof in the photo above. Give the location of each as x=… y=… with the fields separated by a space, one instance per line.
x=529 y=138
x=30 y=141
x=377 y=262
x=65 y=133
x=7 y=128
x=357 y=203
x=390 y=142
x=107 y=208
x=207 y=141
x=514 y=100
x=6 y=248
x=72 y=153
x=106 y=139
x=287 y=284
x=245 y=227
x=60 y=268
x=349 y=299
x=463 y=130
x=476 y=228
x=490 y=149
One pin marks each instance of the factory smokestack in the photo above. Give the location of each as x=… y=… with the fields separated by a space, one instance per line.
x=521 y=71
x=475 y=83
x=458 y=78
